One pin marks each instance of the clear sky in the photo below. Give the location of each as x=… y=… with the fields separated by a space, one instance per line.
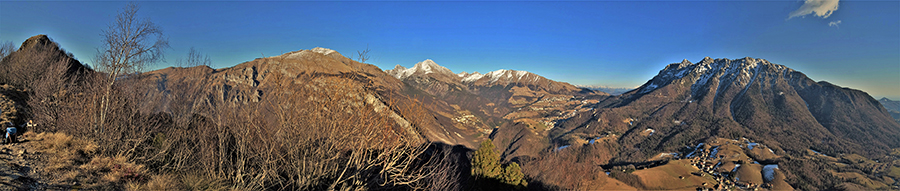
x=614 y=43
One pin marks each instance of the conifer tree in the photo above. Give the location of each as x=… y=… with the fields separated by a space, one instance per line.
x=513 y=175
x=486 y=161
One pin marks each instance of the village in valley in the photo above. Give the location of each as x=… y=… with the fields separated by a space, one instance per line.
x=720 y=164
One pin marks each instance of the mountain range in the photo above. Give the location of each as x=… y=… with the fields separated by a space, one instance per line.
x=819 y=135
x=530 y=117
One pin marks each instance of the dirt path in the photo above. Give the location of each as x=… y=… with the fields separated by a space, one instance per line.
x=16 y=172
x=20 y=167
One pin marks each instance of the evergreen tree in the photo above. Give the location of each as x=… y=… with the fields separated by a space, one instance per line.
x=513 y=175
x=486 y=161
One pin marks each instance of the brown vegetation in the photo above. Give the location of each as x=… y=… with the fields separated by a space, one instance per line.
x=321 y=134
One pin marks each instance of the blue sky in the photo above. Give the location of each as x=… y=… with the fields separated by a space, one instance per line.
x=614 y=43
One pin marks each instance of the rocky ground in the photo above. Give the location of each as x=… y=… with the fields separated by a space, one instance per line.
x=21 y=167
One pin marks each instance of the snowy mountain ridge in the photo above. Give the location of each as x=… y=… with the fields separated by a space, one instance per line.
x=305 y=53
x=742 y=72
x=429 y=66
x=424 y=67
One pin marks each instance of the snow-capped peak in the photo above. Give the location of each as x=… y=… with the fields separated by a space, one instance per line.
x=425 y=67
x=323 y=51
x=740 y=72
x=428 y=66
x=305 y=53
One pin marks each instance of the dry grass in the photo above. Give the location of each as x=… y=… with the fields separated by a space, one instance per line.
x=67 y=151
x=76 y=159
x=666 y=176
x=157 y=182
x=195 y=181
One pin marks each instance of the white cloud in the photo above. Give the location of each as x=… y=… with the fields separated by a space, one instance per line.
x=822 y=8
x=834 y=23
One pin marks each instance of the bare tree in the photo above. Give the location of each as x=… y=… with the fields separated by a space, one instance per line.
x=6 y=48
x=363 y=55
x=194 y=58
x=128 y=44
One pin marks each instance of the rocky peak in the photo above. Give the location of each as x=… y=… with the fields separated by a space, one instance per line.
x=428 y=66
x=303 y=54
x=422 y=68
x=37 y=41
x=685 y=63
x=742 y=71
x=467 y=77
x=399 y=68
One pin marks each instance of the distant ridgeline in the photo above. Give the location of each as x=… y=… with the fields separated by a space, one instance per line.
x=892 y=106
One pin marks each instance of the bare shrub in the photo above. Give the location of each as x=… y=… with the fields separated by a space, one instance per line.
x=194 y=58
x=6 y=48
x=363 y=55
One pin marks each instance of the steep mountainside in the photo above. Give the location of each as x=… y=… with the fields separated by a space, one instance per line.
x=770 y=101
x=336 y=80
x=690 y=103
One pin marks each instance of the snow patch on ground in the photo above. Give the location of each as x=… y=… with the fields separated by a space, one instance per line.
x=769 y=172
x=649 y=88
x=562 y=147
x=751 y=145
x=712 y=154
x=817 y=152
x=695 y=150
x=650 y=130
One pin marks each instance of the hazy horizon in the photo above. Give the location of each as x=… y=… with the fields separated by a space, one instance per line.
x=852 y=44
